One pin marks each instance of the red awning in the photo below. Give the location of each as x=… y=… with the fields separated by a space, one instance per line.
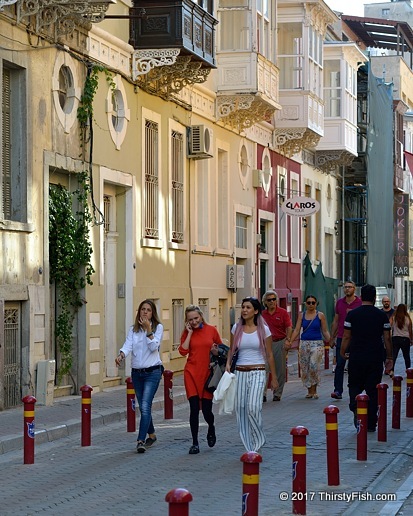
x=409 y=159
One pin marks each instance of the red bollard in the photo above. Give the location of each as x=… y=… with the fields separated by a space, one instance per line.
x=130 y=406
x=397 y=401
x=362 y=408
x=178 y=500
x=250 y=483
x=333 y=473
x=299 y=434
x=326 y=355
x=28 y=429
x=86 y=414
x=168 y=394
x=409 y=393
x=382 y=412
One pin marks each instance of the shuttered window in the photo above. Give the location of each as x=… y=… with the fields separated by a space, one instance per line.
x=177 y=164
x=6 y=144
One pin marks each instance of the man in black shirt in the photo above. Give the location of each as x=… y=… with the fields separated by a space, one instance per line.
x=365 y=329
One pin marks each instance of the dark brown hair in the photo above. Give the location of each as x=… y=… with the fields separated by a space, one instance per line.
x=155 y=319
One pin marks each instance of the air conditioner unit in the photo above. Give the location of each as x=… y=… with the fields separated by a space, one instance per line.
x=200 y=140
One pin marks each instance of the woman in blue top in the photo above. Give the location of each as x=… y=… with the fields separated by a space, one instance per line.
x=314 y=329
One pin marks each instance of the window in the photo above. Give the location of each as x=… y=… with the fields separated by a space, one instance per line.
x=203 y=304
x=13 y=156
x=385 y=12
x=318 y=228
x=263 y=28
x=307 y=223
x=177 y=186
x=117 y=111
x=65 y=92
x=223 y=200
x=332 y=89
x=177 y=321
x=282 y=217
x=235 y=22
x=241 y=231
x=290 y=57
x=65 y=85
x=202 y=202
x=151 y=182
x=295 y=226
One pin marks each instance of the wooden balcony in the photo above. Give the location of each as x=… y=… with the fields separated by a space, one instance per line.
x=247 y=90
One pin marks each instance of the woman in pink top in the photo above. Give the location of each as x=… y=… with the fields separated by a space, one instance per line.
x=402 y=338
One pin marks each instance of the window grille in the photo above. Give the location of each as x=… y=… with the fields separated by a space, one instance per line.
x=12 y=357
x=177 y=321
x=106 y=213
x=203 y=304
x=177 y=163
x=151 y=180
x=6 y=145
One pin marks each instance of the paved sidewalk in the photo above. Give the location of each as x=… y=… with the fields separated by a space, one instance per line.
x=109 y=478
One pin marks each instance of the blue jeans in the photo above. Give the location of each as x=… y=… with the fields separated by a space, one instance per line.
x=146 y=385
x=339 y=372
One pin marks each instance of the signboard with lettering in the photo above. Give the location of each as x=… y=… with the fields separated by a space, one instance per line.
x=300 y=206
x=401 y=235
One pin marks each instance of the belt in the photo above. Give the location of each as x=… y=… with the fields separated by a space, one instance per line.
x=146 y=369
x=246 y=368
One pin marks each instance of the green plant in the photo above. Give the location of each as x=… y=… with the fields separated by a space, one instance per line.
x=70 y=252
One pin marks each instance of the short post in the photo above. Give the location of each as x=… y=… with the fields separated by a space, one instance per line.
x=299 y=489
x=130 y=406
x=397 y=401
x=86 y=391
x=250 y=483
x=382 y=412
x=333 y=474
x=178 y=500
x=28 y=429
x=362 y=414
x=409 y=393
x=168 y=394
x=326 y=355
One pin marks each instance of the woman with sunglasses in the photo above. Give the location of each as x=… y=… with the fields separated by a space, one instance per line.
x=313 y=327
x=251 y=337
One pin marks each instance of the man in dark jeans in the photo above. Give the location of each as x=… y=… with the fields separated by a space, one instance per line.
x=365 y=329
x=343 y=306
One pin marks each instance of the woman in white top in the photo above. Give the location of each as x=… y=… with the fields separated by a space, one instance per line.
x=143 y=341
x=251 y=337
x=402 y=338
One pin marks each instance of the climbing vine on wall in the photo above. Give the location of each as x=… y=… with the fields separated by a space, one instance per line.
x=70 y=252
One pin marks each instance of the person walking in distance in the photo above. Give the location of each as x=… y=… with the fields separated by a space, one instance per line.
x=343 y=307
x=143 y=341
x=280 y=325
x=198 y=340
x=402 y=335
x=387 y=309
x=312 y=325
x=365 y=329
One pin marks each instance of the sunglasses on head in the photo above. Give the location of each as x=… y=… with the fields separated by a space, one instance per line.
x=311 y=302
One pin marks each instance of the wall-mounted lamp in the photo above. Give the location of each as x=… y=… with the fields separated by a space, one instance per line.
x=304 y=222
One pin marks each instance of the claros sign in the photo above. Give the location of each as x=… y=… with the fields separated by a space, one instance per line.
x=300 y=206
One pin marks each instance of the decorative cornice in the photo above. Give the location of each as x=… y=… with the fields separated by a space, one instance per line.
x=292 y=141
x=167 y=80
x=327 y=161
x=243 y=111
x=62 y=15
x=143 y=61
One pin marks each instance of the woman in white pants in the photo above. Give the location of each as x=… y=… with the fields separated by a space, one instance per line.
x=251 y=337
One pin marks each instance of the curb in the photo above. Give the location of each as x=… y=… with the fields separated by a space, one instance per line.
x=73 y=426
